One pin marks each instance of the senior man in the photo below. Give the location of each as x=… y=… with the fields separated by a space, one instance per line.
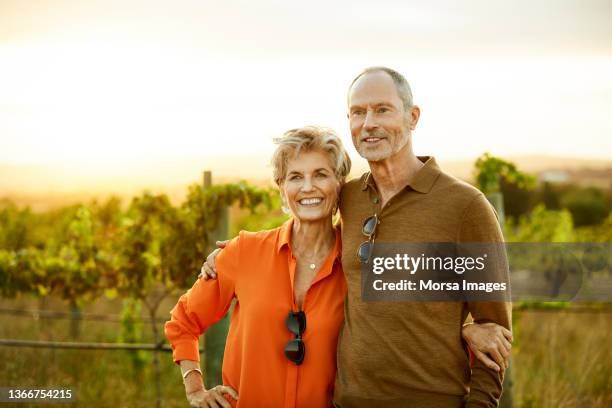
x=410 y=354
x=407 y=354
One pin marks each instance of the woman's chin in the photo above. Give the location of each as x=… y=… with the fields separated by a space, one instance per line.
x=312 y=216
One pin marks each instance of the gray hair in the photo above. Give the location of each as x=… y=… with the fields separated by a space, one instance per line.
x=307 y=139
x=402 y=86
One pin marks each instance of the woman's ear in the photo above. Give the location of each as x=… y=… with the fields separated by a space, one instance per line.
x=284 y=206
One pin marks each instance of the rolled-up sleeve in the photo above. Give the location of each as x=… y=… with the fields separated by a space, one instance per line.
x=203 y=305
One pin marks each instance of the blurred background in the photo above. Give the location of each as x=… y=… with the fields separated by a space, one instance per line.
x=110 y=111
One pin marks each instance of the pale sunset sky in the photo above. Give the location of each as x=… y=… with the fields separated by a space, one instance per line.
x=120 y=84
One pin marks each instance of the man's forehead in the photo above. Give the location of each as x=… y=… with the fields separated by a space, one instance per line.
x=373 y=89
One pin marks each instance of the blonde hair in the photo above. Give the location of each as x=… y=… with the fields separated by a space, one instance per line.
x=308 y=139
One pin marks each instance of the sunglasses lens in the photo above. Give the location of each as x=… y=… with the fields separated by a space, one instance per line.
x=296 y=322
x=369 y=225
x=295 y=351
x=364 y=251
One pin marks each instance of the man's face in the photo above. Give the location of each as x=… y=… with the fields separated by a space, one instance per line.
x=380 y=127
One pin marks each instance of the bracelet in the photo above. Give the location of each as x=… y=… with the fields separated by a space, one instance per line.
x=186 y=373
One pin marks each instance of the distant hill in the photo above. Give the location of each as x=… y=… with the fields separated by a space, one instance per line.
x=44 y=186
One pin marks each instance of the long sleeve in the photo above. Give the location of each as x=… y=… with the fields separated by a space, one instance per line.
x=480 y=225
x=203 y=305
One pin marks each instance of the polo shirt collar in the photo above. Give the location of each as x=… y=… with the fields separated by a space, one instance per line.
x=422 y=181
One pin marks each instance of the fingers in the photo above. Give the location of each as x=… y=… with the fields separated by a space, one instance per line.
x=218 y=399
x=203 y=274
x=506 y=343
x=502 y=349
x=507 y=334
x=210 y=274
x=486 y=360
x=226 y=389
x=210 y=261
x=498 y=358
x=221 y=244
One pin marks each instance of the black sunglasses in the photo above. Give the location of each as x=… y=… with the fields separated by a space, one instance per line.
x=295 y=350
x=364 y=252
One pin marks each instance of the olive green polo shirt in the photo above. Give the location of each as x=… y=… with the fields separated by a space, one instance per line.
x=410 y=354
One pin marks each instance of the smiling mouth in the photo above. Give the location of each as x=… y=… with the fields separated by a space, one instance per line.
x=310 y=202
x=372 y=139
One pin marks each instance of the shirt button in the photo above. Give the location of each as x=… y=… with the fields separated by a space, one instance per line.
x=375 y=200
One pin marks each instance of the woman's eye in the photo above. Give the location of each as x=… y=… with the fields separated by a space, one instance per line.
x=357 y=113
x=383 y=110
x=322 y=175
x=295 y=178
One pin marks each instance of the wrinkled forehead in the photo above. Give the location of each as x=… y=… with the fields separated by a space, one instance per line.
x=374 y=88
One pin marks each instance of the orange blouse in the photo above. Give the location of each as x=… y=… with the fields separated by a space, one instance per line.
x=258 y=269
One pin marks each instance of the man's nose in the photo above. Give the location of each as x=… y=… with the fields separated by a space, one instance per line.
x=369 y=121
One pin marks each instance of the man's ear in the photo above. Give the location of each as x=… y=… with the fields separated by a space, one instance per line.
x=415 y=114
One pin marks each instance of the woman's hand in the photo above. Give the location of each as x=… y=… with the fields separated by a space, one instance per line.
x=490 y=343
x=209 y=270
x=212 y=398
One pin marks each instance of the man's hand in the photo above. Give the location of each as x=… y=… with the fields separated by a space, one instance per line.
x=490 y=343
x=209 y=270
x=212 y=398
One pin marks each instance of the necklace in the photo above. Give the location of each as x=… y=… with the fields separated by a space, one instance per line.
x=310 y=261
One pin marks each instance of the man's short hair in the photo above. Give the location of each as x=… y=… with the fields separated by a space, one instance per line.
x=307 y=139
x=402 y=86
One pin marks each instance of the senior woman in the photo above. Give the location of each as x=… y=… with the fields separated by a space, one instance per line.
x=289 y=290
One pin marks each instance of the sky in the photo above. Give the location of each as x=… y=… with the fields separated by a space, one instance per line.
x=102 y=85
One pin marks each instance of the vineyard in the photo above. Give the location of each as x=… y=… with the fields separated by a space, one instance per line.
x=105 y=275
x=139 y=255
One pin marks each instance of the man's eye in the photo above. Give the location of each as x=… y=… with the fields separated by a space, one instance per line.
x=296 y=177
x=383 y=110
x=321 y=175
x=357 y=113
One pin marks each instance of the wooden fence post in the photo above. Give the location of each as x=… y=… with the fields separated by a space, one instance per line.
x=215 y=336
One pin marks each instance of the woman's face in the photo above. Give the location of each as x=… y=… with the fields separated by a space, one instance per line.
x=310 y=188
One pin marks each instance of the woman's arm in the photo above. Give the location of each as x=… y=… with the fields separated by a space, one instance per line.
x=203 y=305
x=196 y=393
x=490 y=343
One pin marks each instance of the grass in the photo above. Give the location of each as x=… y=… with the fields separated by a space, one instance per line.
x=560 y=359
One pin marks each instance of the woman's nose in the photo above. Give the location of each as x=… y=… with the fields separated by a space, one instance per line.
x=307 y=185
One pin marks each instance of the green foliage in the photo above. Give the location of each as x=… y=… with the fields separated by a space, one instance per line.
x=263 y=218
x=597 y=233
x=489 y=171
x=588 y=206
x=83 y=251
x=16 y=226
x=21 y=272
x=132 y=332
x=541 y=226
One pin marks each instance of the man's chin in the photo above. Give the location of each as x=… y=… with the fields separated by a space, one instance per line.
x=374 y=155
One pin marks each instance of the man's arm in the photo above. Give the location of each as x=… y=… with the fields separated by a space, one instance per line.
x=479 y=225
x=489 y=342
x=209 y=268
